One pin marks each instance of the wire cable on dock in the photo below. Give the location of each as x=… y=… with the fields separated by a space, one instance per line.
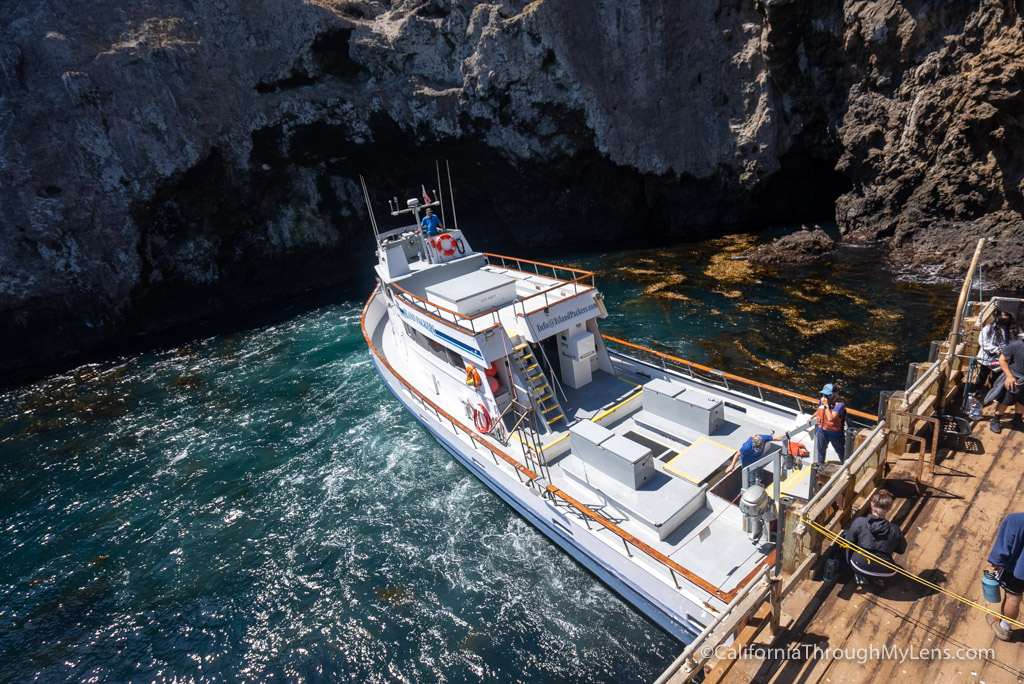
x=843 y=543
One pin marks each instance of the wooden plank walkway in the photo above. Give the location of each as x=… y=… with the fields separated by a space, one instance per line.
x=950 y=526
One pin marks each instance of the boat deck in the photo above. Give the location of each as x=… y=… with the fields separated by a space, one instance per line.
x=950 y=527
x=675 y=513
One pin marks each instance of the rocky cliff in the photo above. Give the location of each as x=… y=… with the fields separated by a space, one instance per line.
x=167 y=161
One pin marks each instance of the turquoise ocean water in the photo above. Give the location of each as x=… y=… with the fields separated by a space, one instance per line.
x=254 y=505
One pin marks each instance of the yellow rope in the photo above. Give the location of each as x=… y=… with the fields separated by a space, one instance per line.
x=843 y=543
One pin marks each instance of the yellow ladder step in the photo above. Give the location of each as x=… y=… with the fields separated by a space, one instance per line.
x=530 y=368
x=537 y=390
x=522 y=346
x=550 y=408
x=537 y=377
x=545 y=397
x=558 y=417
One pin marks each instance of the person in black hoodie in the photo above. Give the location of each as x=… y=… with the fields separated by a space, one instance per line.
x=878 y=536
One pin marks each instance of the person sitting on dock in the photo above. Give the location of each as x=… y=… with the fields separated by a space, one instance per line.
x=994 y=336
x=1011 y=360
x=876 y=535
x=1007 y=559
x=431 y=224
x=831 y=417
x=752 y=450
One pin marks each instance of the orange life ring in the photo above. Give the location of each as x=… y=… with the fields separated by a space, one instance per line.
x=472 y=377
x=439 y=242
x=482 y=419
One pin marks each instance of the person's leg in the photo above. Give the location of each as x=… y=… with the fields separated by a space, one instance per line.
x=977 y=387
x=1001 y=407
x=1018 y=416
x=1011 y=605
x=838 y=443
x=820 y=445
x=1013 y=587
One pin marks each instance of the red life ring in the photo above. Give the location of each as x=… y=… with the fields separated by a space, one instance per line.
x=439 y=244
x=482 y=419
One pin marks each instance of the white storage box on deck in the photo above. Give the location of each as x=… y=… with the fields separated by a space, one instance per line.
x=473 y=293
x=579 y=347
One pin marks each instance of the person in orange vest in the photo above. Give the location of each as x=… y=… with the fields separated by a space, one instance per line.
x=831 y=417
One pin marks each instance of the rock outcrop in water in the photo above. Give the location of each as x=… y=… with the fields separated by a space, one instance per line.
x=802 y=247
x=162 y=163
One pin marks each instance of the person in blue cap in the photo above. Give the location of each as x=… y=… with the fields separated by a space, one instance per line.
x=831 y=417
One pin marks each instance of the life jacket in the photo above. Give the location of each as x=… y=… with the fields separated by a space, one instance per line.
x=834 y=425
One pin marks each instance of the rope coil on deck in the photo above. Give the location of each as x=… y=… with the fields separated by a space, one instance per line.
x=843 y=543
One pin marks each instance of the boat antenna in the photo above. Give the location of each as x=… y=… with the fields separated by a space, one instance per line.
x=437 y=167
x=373 y=219
x=451 y=193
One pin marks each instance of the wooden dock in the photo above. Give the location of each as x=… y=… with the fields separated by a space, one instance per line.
x=950 y=499
x=950 y=526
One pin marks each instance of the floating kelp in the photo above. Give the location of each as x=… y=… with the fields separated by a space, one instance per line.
x=866 y=354
x=396 y=595
x=834 y=290
x=723 y=268
x=188 y=382
x=885 y=316
x=778 y=367
x=812 y=328
x=476 y=640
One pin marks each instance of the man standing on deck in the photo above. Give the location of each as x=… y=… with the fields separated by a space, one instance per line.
x=752 y=450
x=831 y=417
x=431 y=224
x=1007 y=559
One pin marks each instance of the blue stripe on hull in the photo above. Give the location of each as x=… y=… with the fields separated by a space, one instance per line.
x=682 y=631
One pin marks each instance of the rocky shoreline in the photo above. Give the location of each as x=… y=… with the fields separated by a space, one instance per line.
x=164 y=165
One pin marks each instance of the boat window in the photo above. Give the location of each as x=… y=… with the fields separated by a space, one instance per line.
x=436 y=349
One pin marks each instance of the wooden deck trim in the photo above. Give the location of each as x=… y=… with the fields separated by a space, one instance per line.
x=737 y=378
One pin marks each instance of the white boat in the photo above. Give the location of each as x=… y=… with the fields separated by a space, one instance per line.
x=620 y=460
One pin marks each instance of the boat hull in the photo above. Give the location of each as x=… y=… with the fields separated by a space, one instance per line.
x=680 y=617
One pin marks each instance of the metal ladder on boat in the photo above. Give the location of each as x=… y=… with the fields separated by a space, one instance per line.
x=543 y=395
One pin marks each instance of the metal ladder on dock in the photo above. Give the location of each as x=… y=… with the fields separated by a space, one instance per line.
x=543 y=395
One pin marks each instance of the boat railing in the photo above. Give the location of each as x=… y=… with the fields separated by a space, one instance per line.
x=478 y=323
x=736 y=383
x=575 y=280
x=555 y=495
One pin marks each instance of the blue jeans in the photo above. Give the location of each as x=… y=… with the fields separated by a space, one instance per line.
x=753 y=477
x=821 y=441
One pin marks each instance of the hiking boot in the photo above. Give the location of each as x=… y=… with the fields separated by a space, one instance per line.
x=1018 y=422
x=994 y=425
x=1001 y=634
x=860 y=579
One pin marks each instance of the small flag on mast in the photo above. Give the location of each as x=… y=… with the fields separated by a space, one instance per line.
x=426 y=197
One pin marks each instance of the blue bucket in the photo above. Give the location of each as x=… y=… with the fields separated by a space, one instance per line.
x=990 y=586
